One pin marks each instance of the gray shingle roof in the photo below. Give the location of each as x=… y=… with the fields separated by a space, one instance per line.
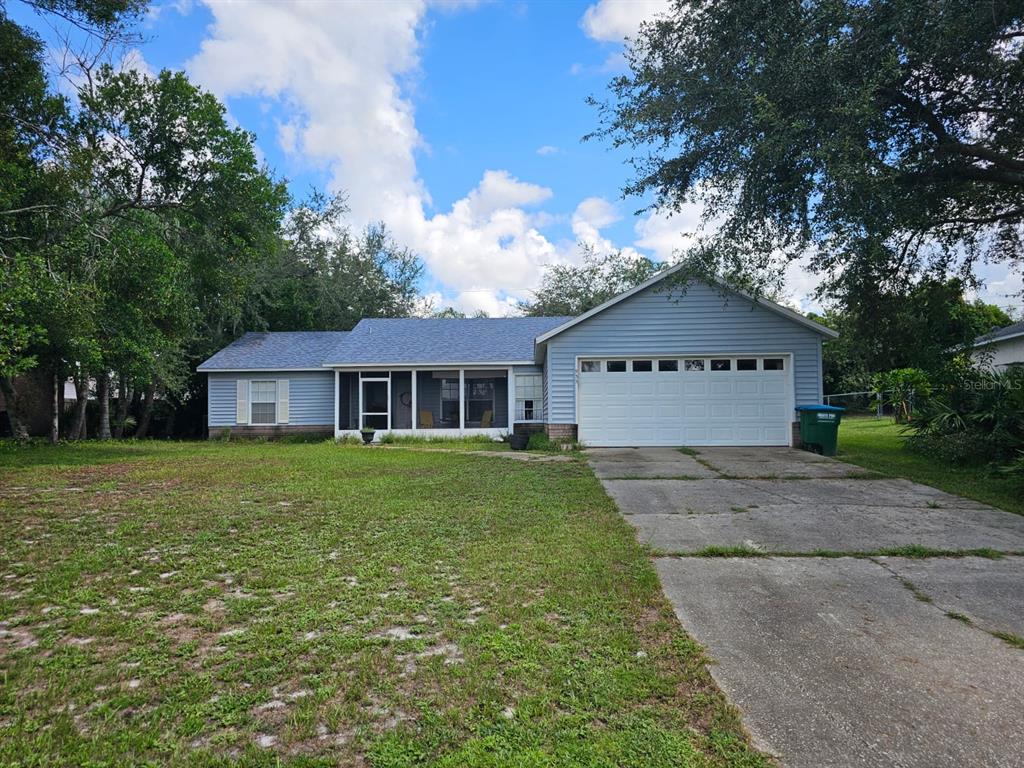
x=1014 y=329
x=433 y=340
x=276 y=351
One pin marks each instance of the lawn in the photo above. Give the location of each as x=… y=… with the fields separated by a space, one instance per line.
x=877 y=444
x=269 y=604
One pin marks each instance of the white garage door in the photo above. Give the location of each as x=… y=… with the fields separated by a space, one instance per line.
x=684 y=401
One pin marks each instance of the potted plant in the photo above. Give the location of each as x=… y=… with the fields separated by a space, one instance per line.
x=367 y=433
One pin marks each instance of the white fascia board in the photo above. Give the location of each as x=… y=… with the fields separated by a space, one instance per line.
x=257 y=370
x=427 y=366
x=770 y=305
x=997 y=340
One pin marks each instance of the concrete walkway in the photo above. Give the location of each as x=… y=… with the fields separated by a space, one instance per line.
x=866 y=660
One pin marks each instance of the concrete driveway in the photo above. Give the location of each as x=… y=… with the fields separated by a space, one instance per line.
x=838 y=651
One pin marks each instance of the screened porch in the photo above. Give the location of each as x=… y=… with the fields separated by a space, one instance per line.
x=450 y=401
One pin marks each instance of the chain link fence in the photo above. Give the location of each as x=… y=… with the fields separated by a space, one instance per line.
x=880 y=404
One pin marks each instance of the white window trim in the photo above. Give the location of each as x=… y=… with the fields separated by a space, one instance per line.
x=276 y=420
x=538 y=401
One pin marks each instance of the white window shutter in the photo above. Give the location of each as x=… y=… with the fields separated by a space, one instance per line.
x=242 y=402
x=282 y=401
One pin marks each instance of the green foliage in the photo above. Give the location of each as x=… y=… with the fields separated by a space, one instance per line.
x=923 y=325
x=903 y=387
x=976 y=417
x=568 y=289
x=877 y=137
x=539 y=441
x=321 y=275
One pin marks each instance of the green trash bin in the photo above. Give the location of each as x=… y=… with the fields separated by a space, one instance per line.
x=819 y=427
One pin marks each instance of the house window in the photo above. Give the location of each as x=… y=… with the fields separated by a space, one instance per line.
x=773 y=364
x=529 y=396
x=642 y=366
x=746 y=364
x=668 y=365
x=450 y=401
x=263 y=396
x=724 y=364
x=616 y=366
x=693 y=365
x=479 y=400
x=590 y=366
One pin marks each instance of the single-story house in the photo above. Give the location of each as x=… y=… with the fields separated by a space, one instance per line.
x=661 y=364
x=1001 y=348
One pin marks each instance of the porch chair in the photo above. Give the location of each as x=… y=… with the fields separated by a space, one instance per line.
x=426 y=419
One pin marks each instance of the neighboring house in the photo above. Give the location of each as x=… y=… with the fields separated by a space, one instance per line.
x=656 y=365
x=1001 y=348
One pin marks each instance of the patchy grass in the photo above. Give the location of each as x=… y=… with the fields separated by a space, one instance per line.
x=910 y=551
x=1010 y=639
x=195 y=604
x=467 y=443
x=740 y=550
x=876 y=444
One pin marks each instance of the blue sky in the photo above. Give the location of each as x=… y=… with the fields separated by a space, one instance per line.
x=457 y=123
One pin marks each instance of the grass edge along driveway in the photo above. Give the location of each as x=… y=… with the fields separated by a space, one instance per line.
x=202 y=603
x=878 y=445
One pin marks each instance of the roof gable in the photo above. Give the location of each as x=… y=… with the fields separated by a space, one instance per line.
x=785 y=312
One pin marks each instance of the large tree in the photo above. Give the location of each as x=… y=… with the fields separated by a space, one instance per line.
x=572 y=289
x=886 y=133
x=924 y=327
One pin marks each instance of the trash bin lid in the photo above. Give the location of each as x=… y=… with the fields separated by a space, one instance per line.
x=819 y=408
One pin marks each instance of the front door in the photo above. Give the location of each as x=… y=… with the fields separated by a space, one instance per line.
x=375 y=403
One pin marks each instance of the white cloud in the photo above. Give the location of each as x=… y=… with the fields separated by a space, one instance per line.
x=615 y=21
x=336 y=69
x=499 y=190
x=547 y=149
x=611 y=21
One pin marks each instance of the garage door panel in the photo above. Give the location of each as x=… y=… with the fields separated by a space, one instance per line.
x=685 y=407
x=721 y=386
x=748 y=387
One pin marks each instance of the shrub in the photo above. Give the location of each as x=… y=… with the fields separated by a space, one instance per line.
x=975 y=416
x=905 y=386
x=539 y=441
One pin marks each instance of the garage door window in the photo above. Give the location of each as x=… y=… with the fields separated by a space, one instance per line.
x=723 y=364
x=746 y=364
x=616 y=366
x=693 y=365
x=642 y=366
x=668 y=365
x=590 y=366
x=774 y=364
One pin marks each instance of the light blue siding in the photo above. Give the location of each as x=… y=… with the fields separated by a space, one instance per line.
x=670 y=322
x=310 y=396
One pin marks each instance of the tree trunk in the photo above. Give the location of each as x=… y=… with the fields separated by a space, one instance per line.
x=19 y=430
x=147 y=410
x=123 y=400
x=103 y=396
x=82 y=393
x=55 y=400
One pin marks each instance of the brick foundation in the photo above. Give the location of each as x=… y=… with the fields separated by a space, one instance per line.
x=271 y=431
x=561 y=431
